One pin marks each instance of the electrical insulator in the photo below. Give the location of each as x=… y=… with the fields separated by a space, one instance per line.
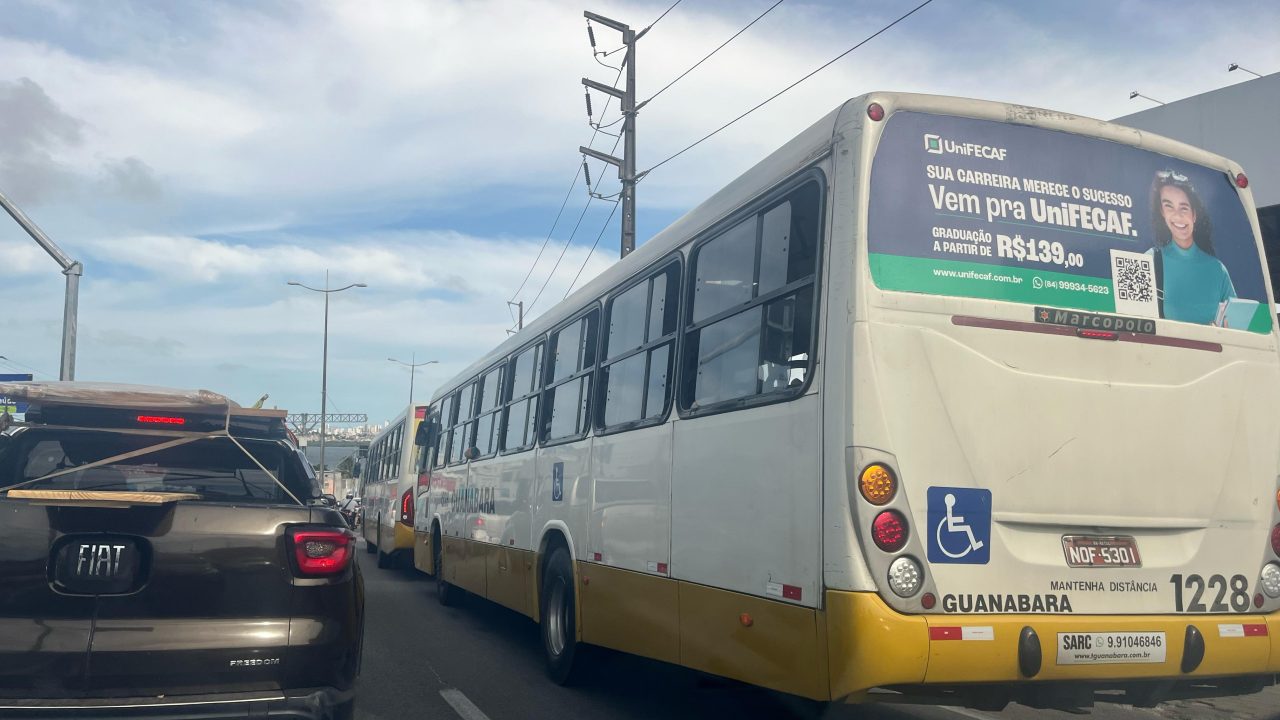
x=586 y=171
x=591 y=35
x=587 y=95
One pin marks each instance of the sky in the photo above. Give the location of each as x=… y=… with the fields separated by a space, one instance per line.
x=196 y=157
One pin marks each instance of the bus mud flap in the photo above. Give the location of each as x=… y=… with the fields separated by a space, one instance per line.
x=1192 y=649
x=1029 y=654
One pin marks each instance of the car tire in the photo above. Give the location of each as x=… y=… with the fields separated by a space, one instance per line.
x=558 y=618
x=446 y=593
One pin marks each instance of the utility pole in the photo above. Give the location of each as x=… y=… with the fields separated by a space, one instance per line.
x=520 y=308
x=627 y=96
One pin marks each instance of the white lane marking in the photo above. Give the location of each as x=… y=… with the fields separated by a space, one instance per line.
x=967 y=713
x=462 y=705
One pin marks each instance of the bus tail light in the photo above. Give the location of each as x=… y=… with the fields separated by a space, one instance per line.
x=1271 y=580
x=905 y=577
x=322 y=552
x=1275 y=540
x=877 y=484
x=875 y=111
x=889 y=531
x=406 y=507
x=1242 y=181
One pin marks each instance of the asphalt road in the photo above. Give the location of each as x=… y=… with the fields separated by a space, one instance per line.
x=479 y=661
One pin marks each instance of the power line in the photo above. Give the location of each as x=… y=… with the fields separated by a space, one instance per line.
x=549 y=233
x=577 y=173
x=664 y=14
x=591 y=196
x=593 y=246
x=23 y=366
x=775 y=96
x=708 y=57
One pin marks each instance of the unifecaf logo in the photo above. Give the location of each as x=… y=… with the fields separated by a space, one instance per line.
x=932 y=144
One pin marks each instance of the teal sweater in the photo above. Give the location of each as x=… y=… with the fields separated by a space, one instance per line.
x=1194 y=284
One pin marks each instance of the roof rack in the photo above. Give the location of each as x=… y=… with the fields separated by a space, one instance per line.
x=94 y=405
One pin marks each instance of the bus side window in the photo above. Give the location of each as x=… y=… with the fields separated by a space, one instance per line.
x=753 y=305
x=463 y=427
x=571 y=356
x=489 y=394
x=524 y=383
x=642 y=326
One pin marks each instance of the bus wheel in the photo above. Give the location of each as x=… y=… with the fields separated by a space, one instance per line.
x=558 y=615
x=447 y=594
x=369 y=547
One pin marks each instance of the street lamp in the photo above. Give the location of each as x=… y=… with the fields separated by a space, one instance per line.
x=324 y=372
x=413 y=369
x=1136 y=94
x=1237 y=66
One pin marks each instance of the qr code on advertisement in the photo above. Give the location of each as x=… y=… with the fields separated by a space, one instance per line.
x=1133 y=277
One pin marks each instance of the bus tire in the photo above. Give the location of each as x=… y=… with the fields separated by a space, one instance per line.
x=369 y=547
x=386 y=560
x=446 y=593
x=558 y=618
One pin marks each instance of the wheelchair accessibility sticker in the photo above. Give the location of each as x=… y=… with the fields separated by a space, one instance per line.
x=959 y=525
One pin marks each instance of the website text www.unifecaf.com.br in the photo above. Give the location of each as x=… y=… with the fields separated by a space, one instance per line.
x=976 y=275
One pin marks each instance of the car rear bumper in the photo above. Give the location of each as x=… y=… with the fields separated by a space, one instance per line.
x=310 y=704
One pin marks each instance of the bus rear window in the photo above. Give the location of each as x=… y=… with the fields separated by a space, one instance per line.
x=985 y=209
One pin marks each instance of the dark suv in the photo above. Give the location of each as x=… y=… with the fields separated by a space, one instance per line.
x=168 y=554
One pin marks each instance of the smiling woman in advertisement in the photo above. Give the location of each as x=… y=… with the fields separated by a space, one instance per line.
x=1192 y=282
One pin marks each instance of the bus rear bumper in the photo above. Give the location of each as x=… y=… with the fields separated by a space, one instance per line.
x=873 y=646
x=403 y=538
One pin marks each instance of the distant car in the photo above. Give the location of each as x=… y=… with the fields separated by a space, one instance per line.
x=169 y=554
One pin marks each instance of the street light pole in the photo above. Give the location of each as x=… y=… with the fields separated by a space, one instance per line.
x=324 y=363
x=413 y=369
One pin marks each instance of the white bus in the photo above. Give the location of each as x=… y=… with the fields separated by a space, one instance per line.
x=945 y=398
x=390 y=476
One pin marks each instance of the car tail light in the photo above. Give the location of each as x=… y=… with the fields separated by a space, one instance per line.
x=320 y=553
x=877 y=484
x=889 y=531
x=406 y=507
x=1275 y=540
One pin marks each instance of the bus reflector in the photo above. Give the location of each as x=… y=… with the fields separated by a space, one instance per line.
x=1242 y=181
x=937 y=632
x=877 y=484
x=162 y=420
x=875 y=111
x=889 y=531
x=928 y=600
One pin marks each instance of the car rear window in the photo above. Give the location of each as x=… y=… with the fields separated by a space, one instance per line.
x=216 y=469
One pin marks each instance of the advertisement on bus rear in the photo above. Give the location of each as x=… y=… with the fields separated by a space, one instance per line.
x=984 y=209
